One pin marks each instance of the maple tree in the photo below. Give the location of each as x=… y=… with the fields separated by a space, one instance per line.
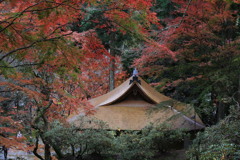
x=116 y=40
x=46 y=68
x=200 y=62
x=54 y=56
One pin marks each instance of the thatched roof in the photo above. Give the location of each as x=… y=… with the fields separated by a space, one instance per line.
x=136 y=105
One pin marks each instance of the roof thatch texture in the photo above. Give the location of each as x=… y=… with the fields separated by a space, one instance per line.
x=136 y=105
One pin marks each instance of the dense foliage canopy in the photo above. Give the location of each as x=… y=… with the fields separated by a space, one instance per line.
x=56 y=54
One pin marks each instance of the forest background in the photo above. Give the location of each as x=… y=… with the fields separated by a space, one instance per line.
x=57 y=54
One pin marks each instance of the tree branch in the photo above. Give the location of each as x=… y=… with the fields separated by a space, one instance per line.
x=42 y=111
x=20 y=14
x=63 y=3
x=181 y=21
x=21 y=65
x=44 y=9
x=27 y=10
x=33 y=43
x=8 y=91
x=36 y=148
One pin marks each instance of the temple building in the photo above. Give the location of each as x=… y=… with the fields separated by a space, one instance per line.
x=135 y=104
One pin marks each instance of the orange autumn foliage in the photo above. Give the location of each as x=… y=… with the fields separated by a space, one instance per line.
x=49 y=69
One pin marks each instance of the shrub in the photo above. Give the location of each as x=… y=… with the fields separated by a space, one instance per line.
x=221 y=141
x=145 y=144
x=76 y=142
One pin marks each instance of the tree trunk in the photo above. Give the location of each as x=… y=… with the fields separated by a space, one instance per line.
x=238 y=95
x=47 y=152
x=220 y=111
x=112 y=71
x=57 y=150
x=36 y=148
x=73 y=150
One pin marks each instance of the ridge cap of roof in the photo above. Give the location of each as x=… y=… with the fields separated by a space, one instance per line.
x=124 y=88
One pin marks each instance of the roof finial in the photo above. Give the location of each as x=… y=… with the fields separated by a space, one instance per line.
x=135 y=77
x=135 y=72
